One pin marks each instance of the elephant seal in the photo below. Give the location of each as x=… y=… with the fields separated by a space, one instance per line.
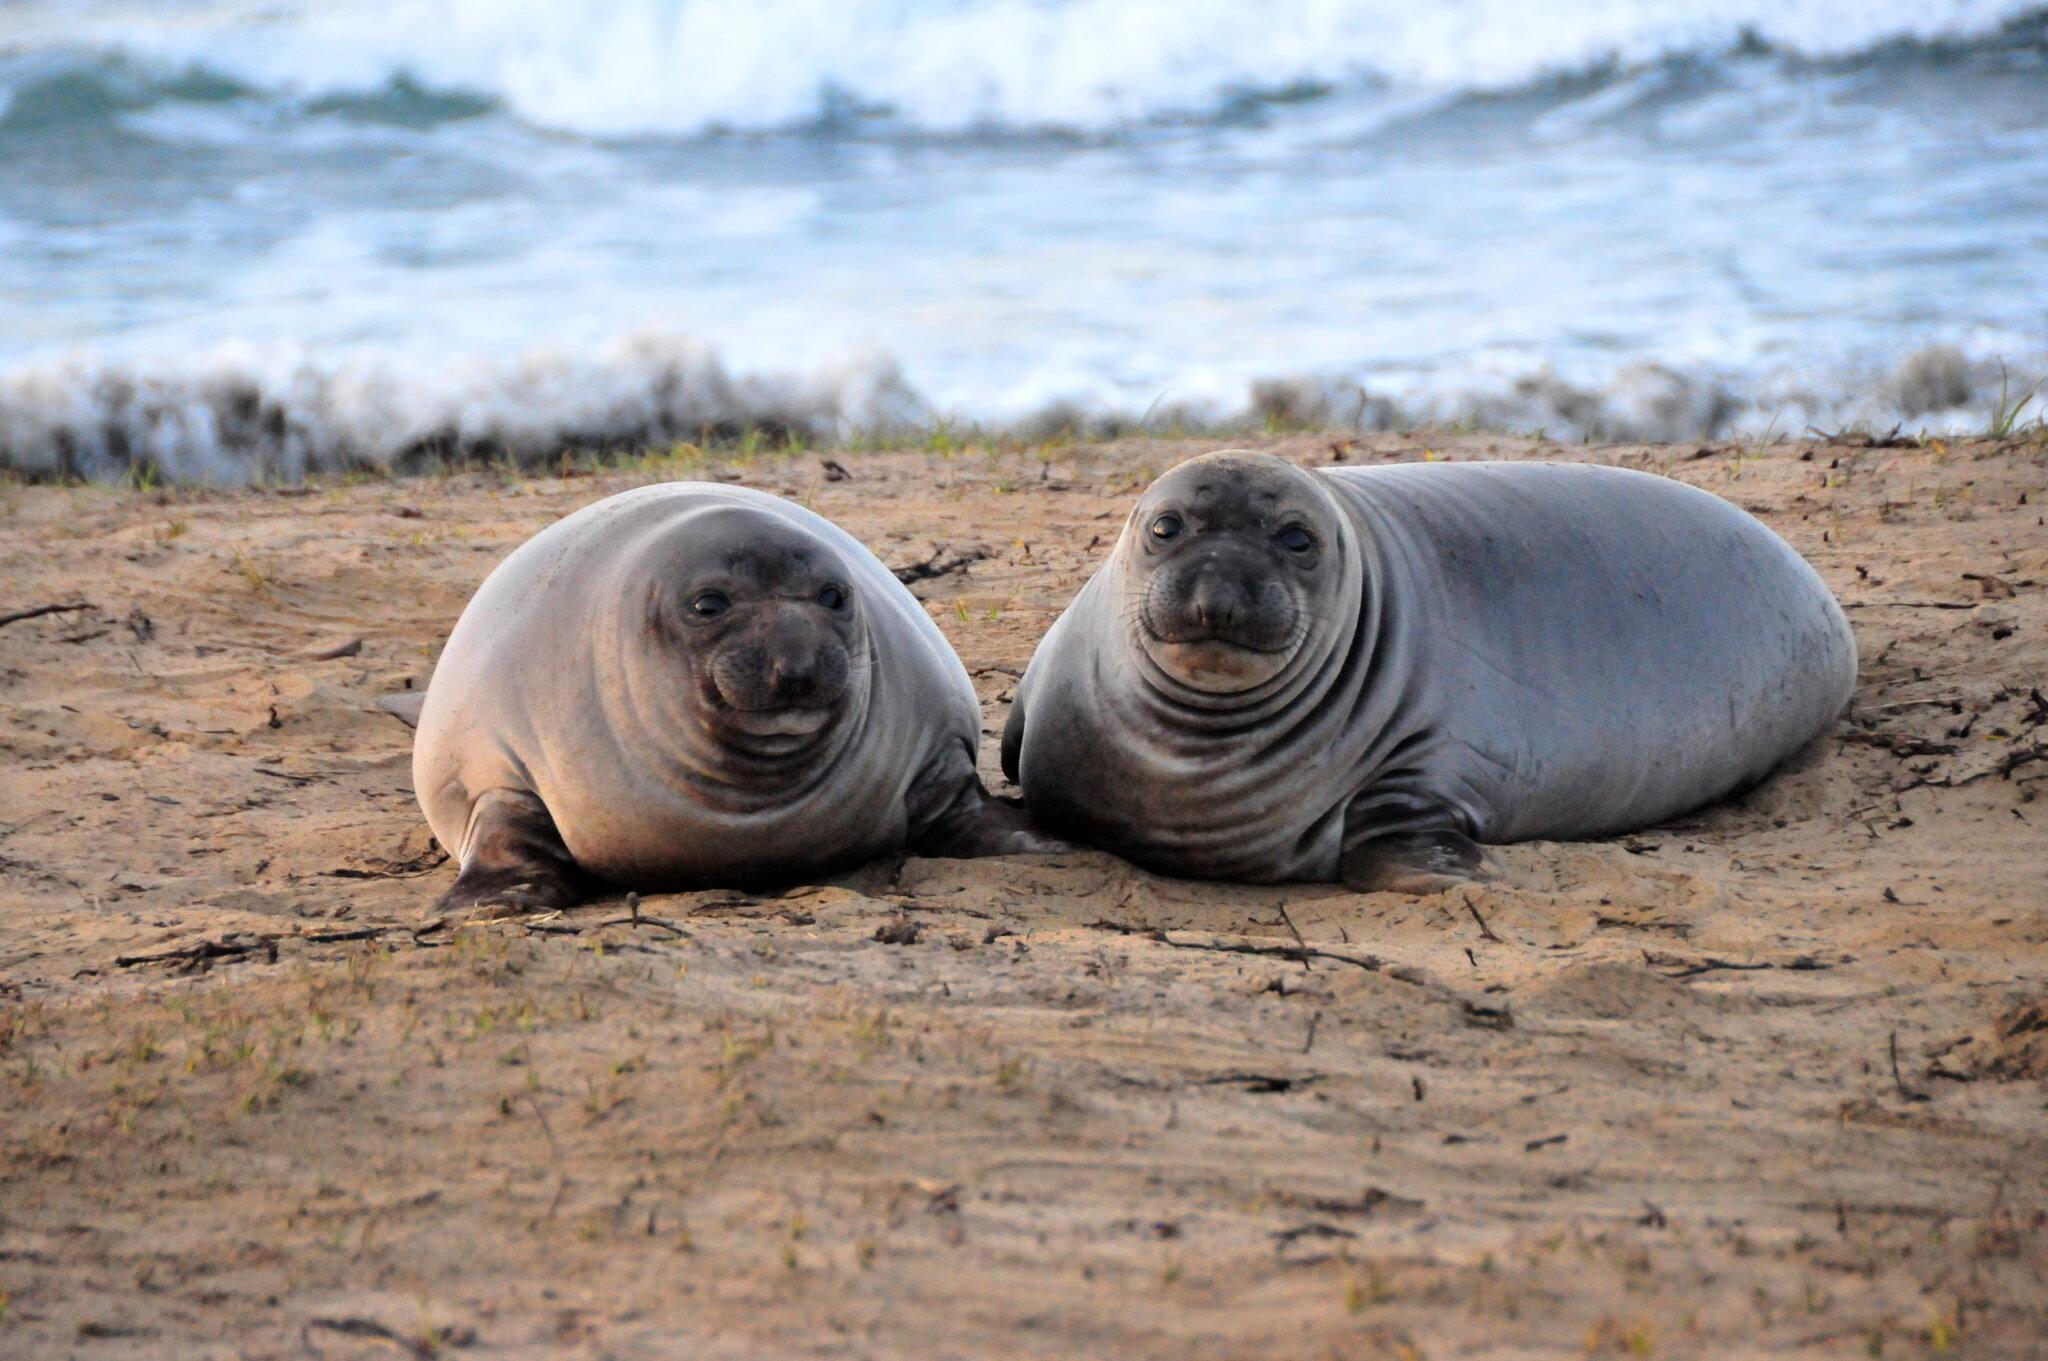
x=1359 y=674
x=693 y=684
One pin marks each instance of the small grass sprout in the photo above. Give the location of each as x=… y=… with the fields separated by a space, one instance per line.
x=2005 y=415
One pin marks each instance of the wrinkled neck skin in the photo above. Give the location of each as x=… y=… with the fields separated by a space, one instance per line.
x=658 y=705
x=1331 y=634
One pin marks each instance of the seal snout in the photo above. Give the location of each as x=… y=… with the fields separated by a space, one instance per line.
x=1218 y=606
x=1236 y=603
x=792 y=665
x=796 y=678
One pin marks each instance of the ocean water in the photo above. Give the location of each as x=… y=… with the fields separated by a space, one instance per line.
x=242 y=239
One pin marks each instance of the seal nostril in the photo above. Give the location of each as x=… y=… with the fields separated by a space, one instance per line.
x=1215 y=606
x=793 y=677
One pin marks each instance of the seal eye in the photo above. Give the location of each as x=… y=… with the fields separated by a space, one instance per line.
x=832 y=598
x=1167 y=526
x=1295 y=539
x=710 y=604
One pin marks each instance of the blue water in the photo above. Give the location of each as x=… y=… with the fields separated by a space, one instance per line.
x=239 y=238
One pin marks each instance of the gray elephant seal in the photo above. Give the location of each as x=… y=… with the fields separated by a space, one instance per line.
x=1361 y=673
x=696 y=684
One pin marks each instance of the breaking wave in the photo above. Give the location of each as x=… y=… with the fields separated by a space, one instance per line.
x=236 y=416
x=687 y=67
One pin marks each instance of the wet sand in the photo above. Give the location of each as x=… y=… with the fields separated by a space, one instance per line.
x=1770 y=1081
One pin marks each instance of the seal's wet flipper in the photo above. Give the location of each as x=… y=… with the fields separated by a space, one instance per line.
x=985 y=826
x=1413 y=862
x=952 y=816
x=516 y=861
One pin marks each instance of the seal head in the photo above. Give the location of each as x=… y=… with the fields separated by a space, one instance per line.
x=1228 y=562
x=762 y=626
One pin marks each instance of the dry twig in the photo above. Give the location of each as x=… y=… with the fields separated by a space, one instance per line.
x=38 y=611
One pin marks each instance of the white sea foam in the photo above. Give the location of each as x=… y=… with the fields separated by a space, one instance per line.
x=684 y=66
x=240 y=414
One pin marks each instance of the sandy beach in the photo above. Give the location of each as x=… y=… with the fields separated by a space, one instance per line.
x=1772 y=1081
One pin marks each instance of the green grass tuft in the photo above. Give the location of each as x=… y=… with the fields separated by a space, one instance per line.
x=2005 y=416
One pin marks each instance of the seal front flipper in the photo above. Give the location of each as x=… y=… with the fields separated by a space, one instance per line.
x=1413 y=862
x=515 y=862
x=953 y=817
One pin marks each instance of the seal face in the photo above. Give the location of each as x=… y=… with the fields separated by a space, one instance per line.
x=764 y=627
x=1364 y=673
x=693 y=684
x=1227 y=574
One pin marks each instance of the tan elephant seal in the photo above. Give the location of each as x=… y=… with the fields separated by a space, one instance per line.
x=694 y=684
